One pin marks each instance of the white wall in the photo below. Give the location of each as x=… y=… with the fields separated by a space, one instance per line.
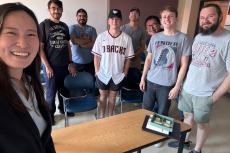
x=96 y=9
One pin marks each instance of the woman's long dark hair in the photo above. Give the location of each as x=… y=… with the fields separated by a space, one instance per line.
x=7 y=92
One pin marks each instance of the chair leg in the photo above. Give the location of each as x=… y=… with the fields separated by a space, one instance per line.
x=65 y=112
x=121 y=107
x=66 y=119
x=120 y=101
x=66 y=116
x=96 y=115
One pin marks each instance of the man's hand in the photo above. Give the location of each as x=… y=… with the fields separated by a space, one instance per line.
x=174 y=92
x=142 y=85
x=215 y=97
x=72 y=69
x=49 y=72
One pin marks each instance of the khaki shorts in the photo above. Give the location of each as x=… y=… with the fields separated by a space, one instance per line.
x=201 y=107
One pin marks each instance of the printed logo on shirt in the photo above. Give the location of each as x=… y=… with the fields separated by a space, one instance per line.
x=203 y=53
x=57 y=37
x=114 y=49
x=165 y=56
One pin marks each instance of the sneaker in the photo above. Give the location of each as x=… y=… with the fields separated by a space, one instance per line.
x=194 y=151
x=175 y=144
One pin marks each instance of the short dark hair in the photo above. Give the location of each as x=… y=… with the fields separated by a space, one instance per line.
x=170 y=9
x=57 y=2
x=135 y=9
x=152 y=17
x=217 y=7
x=81 y=10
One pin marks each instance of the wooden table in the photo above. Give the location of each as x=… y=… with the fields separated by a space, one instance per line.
x=116 y=134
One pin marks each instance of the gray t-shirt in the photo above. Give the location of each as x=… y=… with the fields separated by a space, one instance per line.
x=167 y=52
x=137 y=35
x=210 y=63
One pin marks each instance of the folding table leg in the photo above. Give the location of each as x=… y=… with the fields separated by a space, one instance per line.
x=181 y=142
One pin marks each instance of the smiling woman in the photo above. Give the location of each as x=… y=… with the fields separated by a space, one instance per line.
x=22 y=103
x=19 y=42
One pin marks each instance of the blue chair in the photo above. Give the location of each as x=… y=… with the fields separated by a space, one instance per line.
x=130 y=92
x=130 y=95
x=79 y=94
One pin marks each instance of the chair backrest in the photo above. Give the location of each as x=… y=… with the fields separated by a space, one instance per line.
x=83 y=81
x=133 y=79
x=131 y=95
x=79 y=95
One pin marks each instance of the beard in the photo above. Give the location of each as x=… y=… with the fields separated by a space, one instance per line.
x=82 y=22
x=209 y=30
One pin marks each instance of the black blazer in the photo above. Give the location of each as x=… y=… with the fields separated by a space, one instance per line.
x=19 y=133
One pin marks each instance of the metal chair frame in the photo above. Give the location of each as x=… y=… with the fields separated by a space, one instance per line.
x=79 y=94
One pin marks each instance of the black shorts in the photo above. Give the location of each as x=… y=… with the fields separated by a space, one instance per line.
x=110 y=86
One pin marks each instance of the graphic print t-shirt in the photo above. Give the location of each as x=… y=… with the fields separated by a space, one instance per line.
x=56 y=42
x=210 y=63
x=167 y=52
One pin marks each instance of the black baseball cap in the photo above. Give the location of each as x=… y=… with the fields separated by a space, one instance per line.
x=115 y=13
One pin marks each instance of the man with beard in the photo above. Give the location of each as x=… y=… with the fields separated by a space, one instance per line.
x=82 y=38
x=55 y=54
x=208 y=77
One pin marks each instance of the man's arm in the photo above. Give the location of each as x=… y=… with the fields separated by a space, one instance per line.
x=148 y=62
x=93 y=36
x=69 y=52
x=222 y=89
x=71 y=66
x=180 y=77
x=126 y=66
x=79 y=40
x=97 y=61
x=49 y=70
x=89 y=44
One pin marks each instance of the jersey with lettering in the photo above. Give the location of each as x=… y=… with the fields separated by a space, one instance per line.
x=113 y=52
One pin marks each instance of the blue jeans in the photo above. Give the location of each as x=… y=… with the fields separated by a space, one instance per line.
x=53 y=85
x=180 y=113
x=157 y=94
